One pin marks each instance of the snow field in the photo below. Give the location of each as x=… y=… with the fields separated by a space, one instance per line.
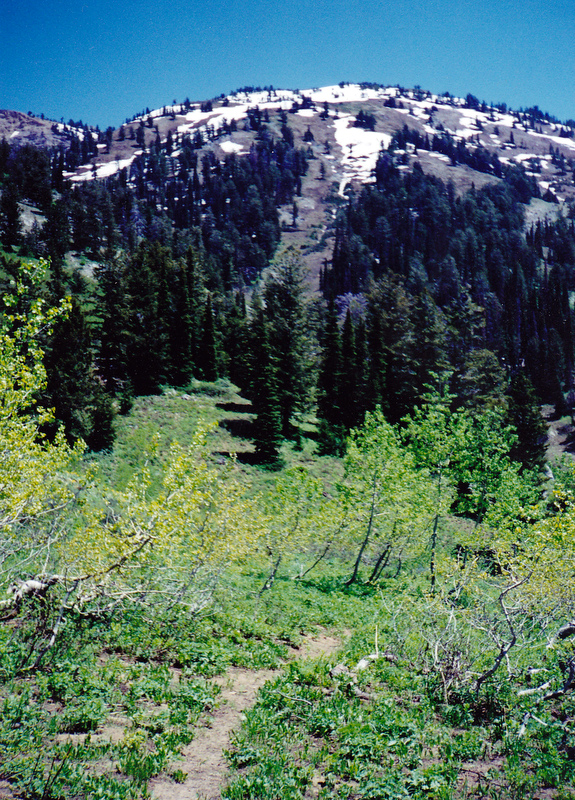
x=232 y=147
x=102 y=170
x=360 y=148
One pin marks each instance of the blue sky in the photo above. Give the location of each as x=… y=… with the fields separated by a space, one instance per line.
x=103 y=61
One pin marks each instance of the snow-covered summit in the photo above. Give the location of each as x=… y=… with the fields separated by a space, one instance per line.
x=353 y=123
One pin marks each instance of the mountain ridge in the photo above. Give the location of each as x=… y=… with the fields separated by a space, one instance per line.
x=493 y=128
x=344 y=127
x=392 y=108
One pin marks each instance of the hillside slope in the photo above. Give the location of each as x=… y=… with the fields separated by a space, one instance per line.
x=345 y=127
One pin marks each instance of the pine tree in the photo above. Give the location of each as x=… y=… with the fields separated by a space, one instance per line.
x=72 y=388
x=236 y=342
x=196 y=295
x=393 y=347
x=147 y=336
x=349 y=394
x=432 y=342
x=267 y=424
x=10 y=225
x=56 y=232
x=375 y=389
x=285 y=313
x=180 y=326
x=331 y=431
x=524 y=415
x=361 y=370
x=207 y=360
x=113 y=310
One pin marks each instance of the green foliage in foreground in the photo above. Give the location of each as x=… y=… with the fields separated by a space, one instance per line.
x=392 y=714
x=121 y=600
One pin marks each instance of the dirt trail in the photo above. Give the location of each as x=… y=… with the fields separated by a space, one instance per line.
x=560 y=433
x=203 y=760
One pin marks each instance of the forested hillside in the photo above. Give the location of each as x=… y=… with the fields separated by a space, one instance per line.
x=270 y=363
x=165 y=256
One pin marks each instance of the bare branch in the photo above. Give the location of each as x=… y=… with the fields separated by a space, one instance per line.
x=505 y=647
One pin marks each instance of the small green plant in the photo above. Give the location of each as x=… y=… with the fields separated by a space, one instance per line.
x=467 y=746
x=83 y=715
x=137 y=759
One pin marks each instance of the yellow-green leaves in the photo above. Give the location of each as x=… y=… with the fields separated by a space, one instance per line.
x=165 y=548
x=288 y=522
x=390 y=501
x=67 y=529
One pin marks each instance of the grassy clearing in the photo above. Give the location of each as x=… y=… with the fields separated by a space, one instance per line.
x=155 y=422
x=394 y=714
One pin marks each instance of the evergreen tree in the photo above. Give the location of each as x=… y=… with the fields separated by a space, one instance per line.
x=331 y=430
x=267 y=423
x=180 y=329
x=196 y=299
x=482 y=380
x=113 y=310
x=361 y=370
x=350 y=384
x=56 y=232
x=237 y=342
x=10 y=225
x=147 y=336
x=524 y=415
x=375 y=387
x=73 y=389
x=432 y=342
x=207 y=360
x=285 y=313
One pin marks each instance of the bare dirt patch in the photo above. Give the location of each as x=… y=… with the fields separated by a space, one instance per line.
x=480 y=774
x=560 y=436
x=320 y=645
x=203 y=762
x=6 y=792
x=313 y=232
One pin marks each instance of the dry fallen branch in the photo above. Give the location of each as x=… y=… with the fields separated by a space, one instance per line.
x=505 y=647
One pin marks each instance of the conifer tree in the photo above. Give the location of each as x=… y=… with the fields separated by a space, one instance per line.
x=72 y=387
x=56 y=232
x=267 y=424
x=350 y=387
x=331 y=431
x=147 y=340
x=525 y=416
x=375 y=390
x=10 y=225
x=113 y=309
x=180 y=326
x=361 y=370
x=285 y=312
x=207 y=361
x=237 y=342
x=432 y=342
x=196 y=297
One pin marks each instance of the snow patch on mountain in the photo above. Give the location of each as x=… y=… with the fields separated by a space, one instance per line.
x=101 y=170
x=360 y=148
x=556 y=139
x=232 y=147
x=512 y=137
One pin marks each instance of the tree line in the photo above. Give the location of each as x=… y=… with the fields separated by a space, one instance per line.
x=424 y=288
x=444 y=278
